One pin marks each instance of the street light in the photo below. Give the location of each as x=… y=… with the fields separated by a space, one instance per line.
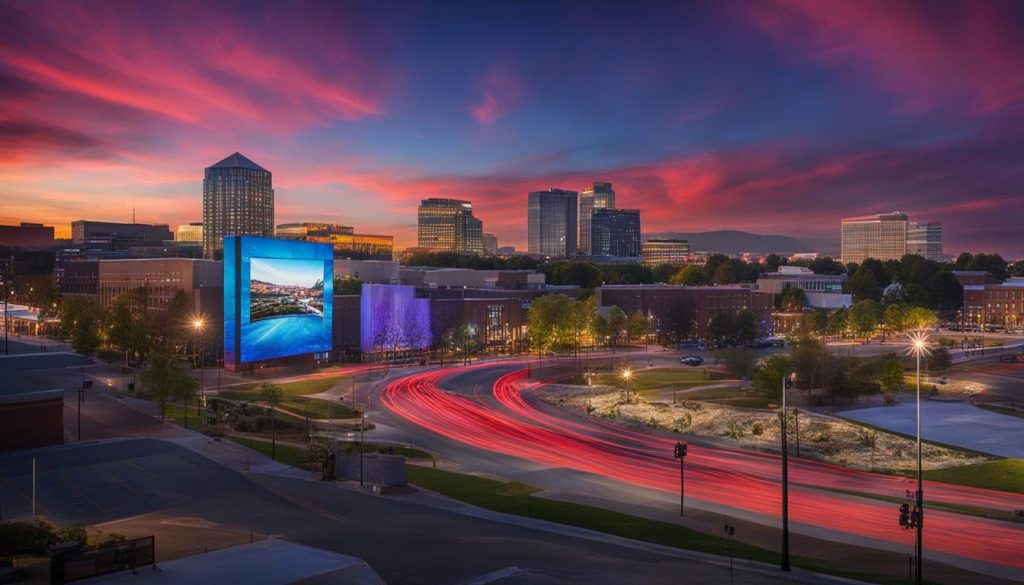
x=918 y=347
x=590 y=390
x=791 y=376
x=626 y=375
x=197 y=326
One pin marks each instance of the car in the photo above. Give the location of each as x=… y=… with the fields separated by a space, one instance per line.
x=691 y=360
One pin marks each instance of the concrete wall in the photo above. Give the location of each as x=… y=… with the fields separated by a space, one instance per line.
x=378 y=469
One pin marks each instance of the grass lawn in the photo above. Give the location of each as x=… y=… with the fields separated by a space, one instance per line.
x=517 y=498
x=410 y=452
x=647 y=381
x=300 y=405
x=175 y=411
x=1005 y=475
x=1000 y=409
x=286 y=454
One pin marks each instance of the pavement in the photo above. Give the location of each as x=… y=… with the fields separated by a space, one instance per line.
x=268 y=562
x=956 y=423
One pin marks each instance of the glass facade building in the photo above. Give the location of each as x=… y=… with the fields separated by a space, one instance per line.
x=615 y=232
x=600 y=195
x=662 y=251
x=551 y=223
x=449 y=225
x=238 y=200
x=925 y=239
x=882 y=237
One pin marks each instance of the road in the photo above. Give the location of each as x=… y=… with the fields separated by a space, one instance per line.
x=509 y=425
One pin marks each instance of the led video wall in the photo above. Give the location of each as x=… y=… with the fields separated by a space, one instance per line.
x=278 y=299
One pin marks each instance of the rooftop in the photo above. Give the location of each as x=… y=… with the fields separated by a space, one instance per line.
x=237 y=161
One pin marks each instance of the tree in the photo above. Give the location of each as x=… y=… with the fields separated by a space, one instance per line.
x=663 y=272
x=349 y=284
x=864 y=317
x=863 y=285
x=839 y=322
x=946 y=290
x=581 y=319
x=890 y=377
x=791 y=300
x=637 y=325
x=86 y=334
x=678 y=324
x=722 y=329
x=617 y=322
x=819 y=321
x=921 y=318
x=581 y=274
x=894 y=318
x=939 y=361
x=691 y=275
x=731 y=271
x=773 y=261
x=810 y=360
x=747 y=330
x=992 y=263
x=768 y=376
x=272 y=394
x=739 y=363
x=547 y=322
x=1017 y=269
x=165 y=379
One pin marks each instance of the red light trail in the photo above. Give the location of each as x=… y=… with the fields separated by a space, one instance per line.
x=741 y=479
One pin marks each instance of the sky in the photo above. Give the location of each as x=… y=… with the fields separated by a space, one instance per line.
x=287 y=271
x=771 y=116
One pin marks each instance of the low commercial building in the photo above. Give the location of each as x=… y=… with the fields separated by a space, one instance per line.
x=344 y=240
x=658 y=301
x=974 y=277
x=26 y=235
x=29 y=417
x=496 y=323
x=823 y=291
x=368 y=271
x=431 y=277
x=201 y=280
x=994 y=305
x=665 y=251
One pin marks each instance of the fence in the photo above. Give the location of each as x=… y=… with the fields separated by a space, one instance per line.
x=90 y=561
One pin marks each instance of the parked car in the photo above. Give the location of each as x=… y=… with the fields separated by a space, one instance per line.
x=691 y=360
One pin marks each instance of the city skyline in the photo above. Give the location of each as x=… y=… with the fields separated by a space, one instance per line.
x=843 y=123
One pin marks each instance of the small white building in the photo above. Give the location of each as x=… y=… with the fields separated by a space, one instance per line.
x=823 y=291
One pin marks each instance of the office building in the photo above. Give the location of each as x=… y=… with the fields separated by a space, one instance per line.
x=882 y=236
x=449 y=225
x=615 y=232
x=344 y=240
x=26 y=235
x=822 y=291
x=202 y=281
x=551 y=223
x=925 y=240
x=662 y=251
x=189 y=232
x=889 y=236
x=238 y=200
x=599 y=195
x=104 y=239
x=490 y=244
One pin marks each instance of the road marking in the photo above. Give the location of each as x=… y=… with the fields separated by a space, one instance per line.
x=496 y=575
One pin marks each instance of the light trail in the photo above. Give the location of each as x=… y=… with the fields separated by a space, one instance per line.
x=740 y=479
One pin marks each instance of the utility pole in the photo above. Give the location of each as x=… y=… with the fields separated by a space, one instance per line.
x=785 y=479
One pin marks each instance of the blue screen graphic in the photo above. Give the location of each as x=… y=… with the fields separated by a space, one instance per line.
x=278 y=298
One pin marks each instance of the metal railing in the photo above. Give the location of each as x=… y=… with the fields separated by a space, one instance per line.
x=90 y=561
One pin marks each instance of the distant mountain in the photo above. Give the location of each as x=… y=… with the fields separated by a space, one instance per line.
x=734 y=242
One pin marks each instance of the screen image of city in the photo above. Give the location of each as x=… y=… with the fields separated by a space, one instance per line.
x=288 y=307
x=285 y=287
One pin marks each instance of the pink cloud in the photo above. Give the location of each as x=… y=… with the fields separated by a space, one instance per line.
x=500 y=92
x=930 y=55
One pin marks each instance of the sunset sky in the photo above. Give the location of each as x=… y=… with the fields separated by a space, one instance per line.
x=771 y=117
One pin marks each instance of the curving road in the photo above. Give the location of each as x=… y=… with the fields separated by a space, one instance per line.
x=507 y=422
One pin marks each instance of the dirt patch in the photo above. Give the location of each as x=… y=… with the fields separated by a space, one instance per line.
x=821 y=437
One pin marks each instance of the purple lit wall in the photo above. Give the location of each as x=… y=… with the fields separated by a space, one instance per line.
x=392 y=318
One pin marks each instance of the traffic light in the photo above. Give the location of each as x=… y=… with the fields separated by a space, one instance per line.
x=904 y=515
x=681 y=449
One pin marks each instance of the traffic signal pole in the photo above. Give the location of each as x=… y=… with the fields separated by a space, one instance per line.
x=681 y=450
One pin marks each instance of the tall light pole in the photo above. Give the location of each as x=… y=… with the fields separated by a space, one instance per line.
x=919 y=347
x=785 y=476
x=197 y=325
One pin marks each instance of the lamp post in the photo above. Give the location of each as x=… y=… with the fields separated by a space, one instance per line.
x=919 y=347
x=626 y=375
x=590 y=390
x=785 y=476
x=197 y=325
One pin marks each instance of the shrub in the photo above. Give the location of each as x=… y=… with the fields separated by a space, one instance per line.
x=757 y=429
x=22 y=538
x=734 y=430
x=682 y=423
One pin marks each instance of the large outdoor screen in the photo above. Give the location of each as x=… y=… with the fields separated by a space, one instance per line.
x=278 y=298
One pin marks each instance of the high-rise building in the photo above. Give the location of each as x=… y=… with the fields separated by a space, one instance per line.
x=238 y=200
x=615 y=232
x=882 y=236
x=600 y=195
x=448 y=224
x=490 y=244
x=189 y=232
x=344 y=240
x=925 y=239
x=661 y=251
x=551 y=223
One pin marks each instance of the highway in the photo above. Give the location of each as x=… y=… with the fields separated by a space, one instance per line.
x=505 y=421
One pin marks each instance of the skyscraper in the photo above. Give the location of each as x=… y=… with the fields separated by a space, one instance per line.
x=449 y=224
x=238 y=200
x=615 y=232
x=598 y=196
x=882 y=236
x=925 y=239
x=551 y=223
x=490 y=244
